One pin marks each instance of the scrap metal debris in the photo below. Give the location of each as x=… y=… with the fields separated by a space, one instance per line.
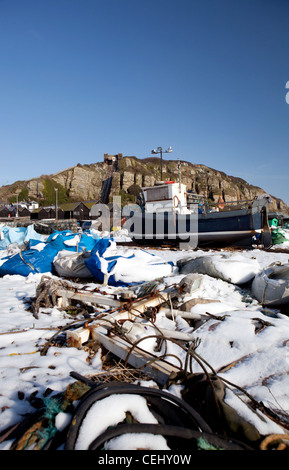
x=119 y=321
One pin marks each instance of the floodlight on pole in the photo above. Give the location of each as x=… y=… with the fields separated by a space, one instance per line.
x=161 y=151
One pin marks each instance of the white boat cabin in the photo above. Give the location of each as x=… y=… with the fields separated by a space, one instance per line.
x=166 y=196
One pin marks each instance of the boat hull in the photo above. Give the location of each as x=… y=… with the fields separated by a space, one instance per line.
x=234 y=228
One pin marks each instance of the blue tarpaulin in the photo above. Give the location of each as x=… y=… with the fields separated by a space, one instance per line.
x=30 y=261
x=40 y=259
x=105 y=261
x=72 y=241
x=117 y=268
x=18 y=235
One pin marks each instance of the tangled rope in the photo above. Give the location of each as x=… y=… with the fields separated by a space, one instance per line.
x=275 y=439
x=46 y=293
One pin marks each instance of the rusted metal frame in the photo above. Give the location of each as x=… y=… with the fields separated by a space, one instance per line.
x=82 y=334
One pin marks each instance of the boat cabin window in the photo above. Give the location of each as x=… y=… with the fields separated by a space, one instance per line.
x=157 y=194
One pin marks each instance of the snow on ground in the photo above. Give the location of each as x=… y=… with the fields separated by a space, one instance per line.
x=262 y=358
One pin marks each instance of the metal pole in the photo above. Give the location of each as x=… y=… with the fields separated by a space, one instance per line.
x=56 y=204
x=161 y=152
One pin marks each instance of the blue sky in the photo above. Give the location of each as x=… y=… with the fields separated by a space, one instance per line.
x=80 y=78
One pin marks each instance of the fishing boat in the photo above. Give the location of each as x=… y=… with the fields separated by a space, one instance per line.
x=168 y=213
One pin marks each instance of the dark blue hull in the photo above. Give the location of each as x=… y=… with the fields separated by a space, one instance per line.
x=231 y=228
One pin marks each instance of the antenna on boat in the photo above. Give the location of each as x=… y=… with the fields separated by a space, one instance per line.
x=179 y=168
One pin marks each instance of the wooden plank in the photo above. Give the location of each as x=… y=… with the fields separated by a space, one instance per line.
x=139 y=307
x=75 y=338
x=81 y=335
x=175 y=334
x=134 y=330
x=68 y=295
x=171 y=313
x=136 y=308
x=158 y=370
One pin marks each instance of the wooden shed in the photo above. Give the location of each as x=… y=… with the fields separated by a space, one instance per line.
x=7 y=211
x=24 y=212
x=75 y=210
x=46 y=213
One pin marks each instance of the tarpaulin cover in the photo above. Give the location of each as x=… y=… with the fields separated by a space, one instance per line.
x=18 y=235
x=106 y=262
x=30 y=261
x=73 y=241
x=120 y=268
x=38 y=258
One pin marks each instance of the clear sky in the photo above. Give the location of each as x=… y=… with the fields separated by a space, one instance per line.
x=80 y=78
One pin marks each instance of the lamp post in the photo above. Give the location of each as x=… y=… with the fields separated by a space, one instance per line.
x=56 y=204
x=161 y=151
